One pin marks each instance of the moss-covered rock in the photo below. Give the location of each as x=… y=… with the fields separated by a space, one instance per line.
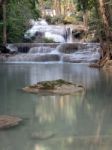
x=60 y=87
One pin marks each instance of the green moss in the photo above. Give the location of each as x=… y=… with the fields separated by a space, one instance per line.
x=50 y=84
x=48 y=40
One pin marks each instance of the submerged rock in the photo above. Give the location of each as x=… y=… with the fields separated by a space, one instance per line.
x=42 y=135
x=9 y=121
x=60 y=87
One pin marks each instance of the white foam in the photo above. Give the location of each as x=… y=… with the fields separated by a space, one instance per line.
x=55 y=37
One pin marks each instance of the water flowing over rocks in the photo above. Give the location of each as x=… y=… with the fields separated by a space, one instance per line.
x=41 y=49
x=60 y=50
x=67 y=48
x=59 y=87
x=34 y=58
x=9 y=121
x=41 y=29
x=65 y=52
x=12 y=48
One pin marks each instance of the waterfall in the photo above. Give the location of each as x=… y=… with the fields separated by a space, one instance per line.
x=64 y=52
x=41 y=30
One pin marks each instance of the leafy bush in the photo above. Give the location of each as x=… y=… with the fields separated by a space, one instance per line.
x=47 y=40
x=18 y=15
x=48 y=19
x=54 y=19
x=68 y=20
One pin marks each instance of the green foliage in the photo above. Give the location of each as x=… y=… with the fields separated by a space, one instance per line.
x=48 y=3
x=84 y=4
x=49 y=85
x=47 y=40
x=69 y=20
x=48 y=19
x=18 y=14
x=55 y=19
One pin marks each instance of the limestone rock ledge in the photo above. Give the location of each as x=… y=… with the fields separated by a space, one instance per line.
x=59 y=87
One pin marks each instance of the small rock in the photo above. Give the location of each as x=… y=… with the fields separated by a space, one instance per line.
x=9 y=121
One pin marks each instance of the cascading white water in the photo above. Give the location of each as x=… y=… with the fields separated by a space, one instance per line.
x=66 y=52
x=41 y=49
x=51 y=32
x=89 y=53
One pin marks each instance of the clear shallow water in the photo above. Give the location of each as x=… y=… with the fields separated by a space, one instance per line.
x=81 y=122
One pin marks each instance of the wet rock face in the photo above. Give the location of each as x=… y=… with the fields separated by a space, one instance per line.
x=9 y=121
x=71 y=59
x=59 y=87
x=34 y=58
x=67 y=48
x=3 y=49
x=23 y=49
x=47 y=57
x=66 y=52
x=78 y=33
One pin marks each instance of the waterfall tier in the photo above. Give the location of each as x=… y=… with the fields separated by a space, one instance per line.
x=65 y=52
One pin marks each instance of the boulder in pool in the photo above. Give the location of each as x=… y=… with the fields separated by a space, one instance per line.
x=9 y=121
x=59 y=87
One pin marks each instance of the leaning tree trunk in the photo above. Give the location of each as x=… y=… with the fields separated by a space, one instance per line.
x=106 y=24
x=4 y=23
x=104 y=12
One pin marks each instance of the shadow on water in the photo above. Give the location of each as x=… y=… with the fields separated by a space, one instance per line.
x=78 y=122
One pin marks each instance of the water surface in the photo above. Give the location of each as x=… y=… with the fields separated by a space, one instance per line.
x=81 y=122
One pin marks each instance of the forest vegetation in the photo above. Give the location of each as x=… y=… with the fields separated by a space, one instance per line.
x=95 y=15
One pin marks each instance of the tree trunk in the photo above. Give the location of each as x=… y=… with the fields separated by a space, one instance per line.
x=4 y=23
x=1 y=2
x=106 y=24
x=85 y=19
x=105 y=45
x=42 y=7
x=60 y=7
x=56 y=7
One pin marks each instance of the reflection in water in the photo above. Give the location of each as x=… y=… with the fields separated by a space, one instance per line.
x=39 y=147
x=78 y=73
x=80 y=122
x=55 y=108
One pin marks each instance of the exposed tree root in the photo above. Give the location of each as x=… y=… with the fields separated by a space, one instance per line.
x=101 y=63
